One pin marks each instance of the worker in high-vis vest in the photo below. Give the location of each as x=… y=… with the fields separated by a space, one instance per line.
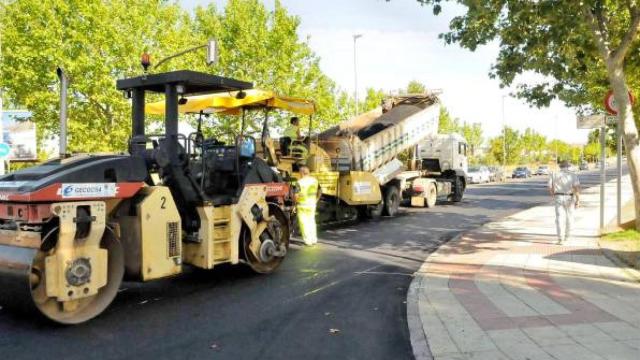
x=291 y=133
x=306 y=199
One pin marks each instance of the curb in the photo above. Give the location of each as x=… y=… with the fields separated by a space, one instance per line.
x=623 y=265
x=419 y=342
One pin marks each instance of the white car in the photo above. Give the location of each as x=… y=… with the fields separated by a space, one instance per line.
x=478 y=175
x=543 y=170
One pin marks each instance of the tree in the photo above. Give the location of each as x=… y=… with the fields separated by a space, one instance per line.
x=580 y=47
x=564 y=151
x=534 y=143
x=473 y=134
x=591 y=152
x=263 y=46
x=98 y=42
x=416 y=87
x=513 y=148
x=610 y=136
x=447 y=124
x=373 y=99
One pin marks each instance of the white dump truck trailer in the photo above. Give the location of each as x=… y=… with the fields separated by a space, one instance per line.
x=357 y=161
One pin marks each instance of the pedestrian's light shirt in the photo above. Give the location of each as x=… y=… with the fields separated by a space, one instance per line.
x=563 y=182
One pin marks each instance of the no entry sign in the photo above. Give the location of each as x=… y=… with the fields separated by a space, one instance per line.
x=611 y=105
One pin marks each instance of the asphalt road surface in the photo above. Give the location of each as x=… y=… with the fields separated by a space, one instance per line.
x=343 y=299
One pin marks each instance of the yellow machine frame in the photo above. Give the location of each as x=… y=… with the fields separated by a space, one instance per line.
x=354 y=188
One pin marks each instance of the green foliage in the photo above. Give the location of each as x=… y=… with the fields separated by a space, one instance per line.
x=610 y=135
x=531 y=147
x=592 y=149
x=446 y=123
x=473 y=134
x=513 y=148
x=552 y=38
x=100 y=41
x=625 y=235
x=372 y=100
x=416 y=87
x=591 y=152
x=534 y=145
x=96 y=42
x=263 y=47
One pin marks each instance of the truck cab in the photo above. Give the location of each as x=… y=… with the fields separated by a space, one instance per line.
x=444 y=152
x=439 y=170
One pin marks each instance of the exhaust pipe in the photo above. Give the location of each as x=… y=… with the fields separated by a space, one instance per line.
x=64 y=84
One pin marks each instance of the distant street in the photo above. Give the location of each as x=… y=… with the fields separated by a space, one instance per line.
x=344 y=299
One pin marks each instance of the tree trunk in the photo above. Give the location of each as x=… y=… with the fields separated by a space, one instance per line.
x=629 y=130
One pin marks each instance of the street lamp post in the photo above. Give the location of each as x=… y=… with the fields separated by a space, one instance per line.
x=355 y=73
x=504 y=137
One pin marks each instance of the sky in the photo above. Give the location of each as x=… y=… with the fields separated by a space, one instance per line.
x=400 y=43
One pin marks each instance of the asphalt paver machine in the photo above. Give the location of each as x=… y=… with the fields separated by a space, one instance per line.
x=265 y=102
x=73 y=228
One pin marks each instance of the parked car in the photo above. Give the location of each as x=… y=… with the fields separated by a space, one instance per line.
x=542 y=170
x=496 y=174
x=521 y=172
x=478 y=175
x=584 y=166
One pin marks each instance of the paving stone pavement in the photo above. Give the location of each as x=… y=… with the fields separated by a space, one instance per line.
x=508 y=291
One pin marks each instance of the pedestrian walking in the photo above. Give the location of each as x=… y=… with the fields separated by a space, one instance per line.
x=564 y=186
x=306 y=198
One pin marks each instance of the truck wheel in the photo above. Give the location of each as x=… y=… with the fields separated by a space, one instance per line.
x=391 y=201
x=370 y=212
x=458 y=190
x=431 y=196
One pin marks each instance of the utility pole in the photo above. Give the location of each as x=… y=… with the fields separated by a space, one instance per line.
x=555 y=135
x=355 y=73
x=504 y=137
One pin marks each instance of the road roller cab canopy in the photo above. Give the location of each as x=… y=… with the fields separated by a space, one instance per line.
x=233 y=101
x=174 y=85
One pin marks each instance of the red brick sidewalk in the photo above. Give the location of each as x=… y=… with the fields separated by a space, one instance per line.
x=507 y=291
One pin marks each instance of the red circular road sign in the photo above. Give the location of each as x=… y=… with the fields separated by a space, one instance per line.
x=610 y=102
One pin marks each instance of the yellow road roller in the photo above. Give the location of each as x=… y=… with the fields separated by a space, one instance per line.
x=72 y=229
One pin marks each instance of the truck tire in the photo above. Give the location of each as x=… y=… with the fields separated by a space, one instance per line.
x=431 y=196
x=391 y=200
x=370 y=212
x=458 y=190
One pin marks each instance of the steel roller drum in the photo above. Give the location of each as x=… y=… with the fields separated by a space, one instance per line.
x=17 y=274
x=15 y=269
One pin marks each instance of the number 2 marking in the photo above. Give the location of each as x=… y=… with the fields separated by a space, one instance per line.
x=163 y=201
